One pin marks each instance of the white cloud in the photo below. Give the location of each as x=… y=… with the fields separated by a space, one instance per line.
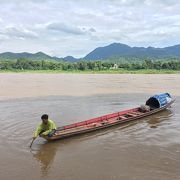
x=59 y=27
x=77 y=27
x=14 y=32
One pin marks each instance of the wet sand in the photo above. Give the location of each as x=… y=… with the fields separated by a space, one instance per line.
x=147 y=149
x=14 y=85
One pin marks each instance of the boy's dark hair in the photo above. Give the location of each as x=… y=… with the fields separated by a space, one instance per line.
x=44 y=116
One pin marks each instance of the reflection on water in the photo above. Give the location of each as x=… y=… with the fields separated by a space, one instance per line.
x=45 y=156
x=155 y=120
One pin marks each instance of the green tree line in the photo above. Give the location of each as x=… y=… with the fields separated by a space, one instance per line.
x=25 y=64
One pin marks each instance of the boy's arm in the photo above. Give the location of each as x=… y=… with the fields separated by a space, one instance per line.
x=37 y=131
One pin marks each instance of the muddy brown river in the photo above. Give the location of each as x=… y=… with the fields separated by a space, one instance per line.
x=146 y=149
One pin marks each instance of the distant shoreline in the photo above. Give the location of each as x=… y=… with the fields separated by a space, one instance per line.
x=118 y=71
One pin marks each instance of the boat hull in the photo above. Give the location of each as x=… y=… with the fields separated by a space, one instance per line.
x=103 y=122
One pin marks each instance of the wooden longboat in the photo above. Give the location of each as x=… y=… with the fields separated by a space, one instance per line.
x=106 y=121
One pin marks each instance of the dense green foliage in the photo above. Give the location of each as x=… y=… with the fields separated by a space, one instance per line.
x=25 y=64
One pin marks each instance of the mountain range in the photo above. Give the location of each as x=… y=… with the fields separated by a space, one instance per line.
x=111 y=51
x=36 y=56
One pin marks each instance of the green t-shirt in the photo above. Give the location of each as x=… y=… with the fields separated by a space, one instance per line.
x=47 y=128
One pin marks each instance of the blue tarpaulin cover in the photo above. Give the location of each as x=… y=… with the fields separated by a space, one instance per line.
x=159 y=100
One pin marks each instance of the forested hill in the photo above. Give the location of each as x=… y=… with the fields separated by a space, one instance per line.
x=36 y=56
x=111 y=52
x=116 y=50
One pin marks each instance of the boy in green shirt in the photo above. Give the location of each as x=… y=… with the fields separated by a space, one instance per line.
x=46 y=128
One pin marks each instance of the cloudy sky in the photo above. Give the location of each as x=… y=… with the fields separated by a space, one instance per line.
x=75 y=27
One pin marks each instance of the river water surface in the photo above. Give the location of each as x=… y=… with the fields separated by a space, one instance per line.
x=148 y=149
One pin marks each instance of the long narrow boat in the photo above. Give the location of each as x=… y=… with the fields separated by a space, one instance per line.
x=153 y=105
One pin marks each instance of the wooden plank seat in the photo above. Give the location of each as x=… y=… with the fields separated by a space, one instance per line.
x=132 y=114
x=138 y=112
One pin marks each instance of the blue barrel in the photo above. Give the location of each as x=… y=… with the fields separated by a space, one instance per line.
x=159 y=100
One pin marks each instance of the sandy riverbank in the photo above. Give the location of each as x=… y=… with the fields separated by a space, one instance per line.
x=15 y=85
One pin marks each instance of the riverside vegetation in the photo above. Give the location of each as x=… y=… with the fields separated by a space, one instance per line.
x=144 y=66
